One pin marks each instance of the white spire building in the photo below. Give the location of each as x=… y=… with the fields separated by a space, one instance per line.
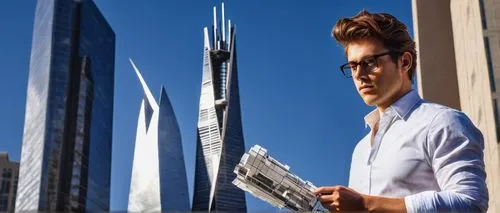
x=158 y=182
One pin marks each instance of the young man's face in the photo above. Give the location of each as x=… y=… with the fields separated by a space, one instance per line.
x=384 y=83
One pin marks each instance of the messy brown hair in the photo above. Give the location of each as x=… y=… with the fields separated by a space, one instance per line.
x=379 y=26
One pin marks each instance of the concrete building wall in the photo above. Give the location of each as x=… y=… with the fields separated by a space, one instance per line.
x=432 y=25
x=492 y=32
x=474 y=86
x=9 y=175
x=450 y=39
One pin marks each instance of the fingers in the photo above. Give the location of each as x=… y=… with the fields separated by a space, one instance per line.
x=328 y=198
x=330 y=202
x=326 y=190
x=336 y=198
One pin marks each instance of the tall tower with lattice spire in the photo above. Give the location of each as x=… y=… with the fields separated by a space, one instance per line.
x=220 y=143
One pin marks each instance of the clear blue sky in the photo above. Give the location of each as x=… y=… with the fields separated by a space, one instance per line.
x=294 y=100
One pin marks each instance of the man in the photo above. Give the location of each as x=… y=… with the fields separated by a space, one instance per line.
x=418 y=156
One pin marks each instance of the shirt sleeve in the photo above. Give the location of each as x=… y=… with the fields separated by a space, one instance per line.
x=455 y=151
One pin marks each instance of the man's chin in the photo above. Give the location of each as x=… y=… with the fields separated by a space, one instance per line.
x=370 y=101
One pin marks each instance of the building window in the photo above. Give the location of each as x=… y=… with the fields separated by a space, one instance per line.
x=483 y=14
x=7 y=173
x=497 y=120
x=491 y=74
x=4 y=203
x=5 y=187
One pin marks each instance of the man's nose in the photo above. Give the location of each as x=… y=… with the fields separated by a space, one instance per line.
x=360 y=72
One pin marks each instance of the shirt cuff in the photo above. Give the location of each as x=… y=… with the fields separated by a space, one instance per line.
x=420 y=202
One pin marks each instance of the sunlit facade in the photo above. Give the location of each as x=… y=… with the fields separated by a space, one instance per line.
x=66 y=153
x=220 y=143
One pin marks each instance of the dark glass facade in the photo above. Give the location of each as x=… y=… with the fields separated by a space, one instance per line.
x=174 y=194
x=66 y=152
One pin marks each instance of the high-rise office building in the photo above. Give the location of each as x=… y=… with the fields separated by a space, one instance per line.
x=220 y=143
x=9 y=176
x=159 y=182
x=458 y=46
x=66 y=152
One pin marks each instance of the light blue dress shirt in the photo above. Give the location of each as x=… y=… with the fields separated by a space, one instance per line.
x=427 y=153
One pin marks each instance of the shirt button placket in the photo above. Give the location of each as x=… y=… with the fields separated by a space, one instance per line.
x=384 y=123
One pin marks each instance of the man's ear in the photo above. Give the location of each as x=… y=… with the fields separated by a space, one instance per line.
x=407 y=61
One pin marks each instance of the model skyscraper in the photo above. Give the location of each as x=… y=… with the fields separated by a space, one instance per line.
x=220 y=143
x=268 y=179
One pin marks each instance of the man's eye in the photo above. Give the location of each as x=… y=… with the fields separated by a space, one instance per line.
x=353 y=66
x=370 y=62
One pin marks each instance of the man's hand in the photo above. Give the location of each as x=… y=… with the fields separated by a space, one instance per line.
x=343 y=199
x=340 y=198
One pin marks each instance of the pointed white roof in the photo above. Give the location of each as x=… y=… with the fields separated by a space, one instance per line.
x=145 y=87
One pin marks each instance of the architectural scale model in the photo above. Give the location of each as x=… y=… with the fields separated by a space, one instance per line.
x=268 y=179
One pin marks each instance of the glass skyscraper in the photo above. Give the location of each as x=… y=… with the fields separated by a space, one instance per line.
x=66 y=152
x=158 y=182
x=220 y=143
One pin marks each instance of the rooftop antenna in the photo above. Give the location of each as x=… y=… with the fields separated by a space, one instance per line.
x=223 y=25
x=215 y=27
x=229 y=35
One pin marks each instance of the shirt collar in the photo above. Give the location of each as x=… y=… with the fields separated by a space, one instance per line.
x=403 y=106
x=372 y=118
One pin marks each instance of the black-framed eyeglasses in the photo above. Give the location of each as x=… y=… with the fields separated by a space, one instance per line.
x=369 y=64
